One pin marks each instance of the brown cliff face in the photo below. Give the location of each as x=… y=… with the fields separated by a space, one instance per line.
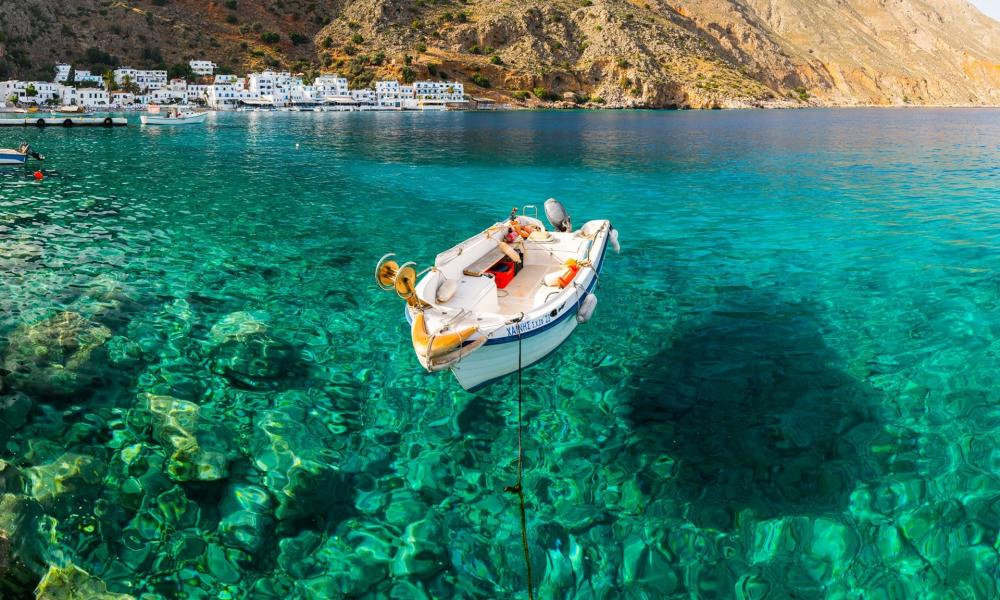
x=613 y=53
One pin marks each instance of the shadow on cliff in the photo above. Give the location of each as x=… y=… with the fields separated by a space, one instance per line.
x=745 y=409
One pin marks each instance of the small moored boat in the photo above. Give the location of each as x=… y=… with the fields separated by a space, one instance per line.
x=19 y=156
x=505 y=298
x=175 y=116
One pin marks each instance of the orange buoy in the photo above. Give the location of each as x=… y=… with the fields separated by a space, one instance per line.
x=572 y=268
x=39 y=176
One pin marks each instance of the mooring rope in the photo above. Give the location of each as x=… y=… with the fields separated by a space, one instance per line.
x=519 y=488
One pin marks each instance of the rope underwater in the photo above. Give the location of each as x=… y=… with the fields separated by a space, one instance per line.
x=519 y=489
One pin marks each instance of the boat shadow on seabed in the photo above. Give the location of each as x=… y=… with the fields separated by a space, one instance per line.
x=744 y=410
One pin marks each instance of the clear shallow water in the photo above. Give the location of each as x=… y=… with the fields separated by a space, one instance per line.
x=788 y=389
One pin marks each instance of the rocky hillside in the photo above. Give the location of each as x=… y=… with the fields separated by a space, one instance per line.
x=613 y=53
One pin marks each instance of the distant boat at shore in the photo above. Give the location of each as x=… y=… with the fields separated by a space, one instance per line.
x=9 y=156
x=174 y=116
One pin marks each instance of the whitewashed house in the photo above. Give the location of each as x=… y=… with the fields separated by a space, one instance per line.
x=332 y=86
x=79 y=77
x=62 y=73
x=203 y=68
x=147 y=81
x=364 y=98
x=197 y=91
x=441 y=91
x=227 y=94
x=93 y=97
x=43 y=92
x=121 y=99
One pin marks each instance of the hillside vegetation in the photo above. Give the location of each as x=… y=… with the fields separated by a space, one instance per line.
x=613 y=53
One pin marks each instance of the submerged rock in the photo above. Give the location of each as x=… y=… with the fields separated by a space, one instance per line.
x=56 y=356
x=14 y=411
x=246 y=517
x=339 y=566
x=73 y=583
x=421 y=552
x=238 y=326
x=291 y=448
x=197 y=452
x=11 y=481
x=25 y=538
x=65 y=482
x=248 y=356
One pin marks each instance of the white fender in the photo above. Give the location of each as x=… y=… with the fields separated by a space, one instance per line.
x=446 y=291
x=614 y=241
x=586 y=308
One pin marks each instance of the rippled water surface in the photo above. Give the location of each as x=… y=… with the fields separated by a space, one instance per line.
x=789 y=388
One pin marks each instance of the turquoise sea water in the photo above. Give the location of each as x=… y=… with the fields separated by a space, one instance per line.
x=788 y=389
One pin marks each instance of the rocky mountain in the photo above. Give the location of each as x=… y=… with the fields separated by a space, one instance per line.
x=613 y=53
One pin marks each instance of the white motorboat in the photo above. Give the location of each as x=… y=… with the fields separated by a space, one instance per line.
x=503 y=299
x=174 y=116
x=19 y=156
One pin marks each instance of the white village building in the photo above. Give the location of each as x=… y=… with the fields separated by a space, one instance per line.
x=147 y=81
x=203 y=68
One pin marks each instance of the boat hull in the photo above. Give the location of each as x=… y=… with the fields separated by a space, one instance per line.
x=495 y=361
x=12 y=158
x=193 y=120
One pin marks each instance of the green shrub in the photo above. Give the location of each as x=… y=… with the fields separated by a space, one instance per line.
x=496 y=60
x=521 y=95
x=297 y=38
x=407 y=60
x=357 y=38
x=480 y=80
x=475 y=49
x=350 y=50
x=327 y=42
x=544 y=94
x=409 y=75
x=421 y=47
x=270 y=37
x=232 y=20
x=231 y=4
x=378 y=58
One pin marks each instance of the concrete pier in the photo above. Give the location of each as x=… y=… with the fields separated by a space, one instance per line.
x=42 y=121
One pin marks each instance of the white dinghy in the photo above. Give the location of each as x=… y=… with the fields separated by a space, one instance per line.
x=19 y=156
x=174 y=116
x=503 y=299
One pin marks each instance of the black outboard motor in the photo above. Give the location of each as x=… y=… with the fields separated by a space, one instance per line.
x=27 y=149
x=557 y=215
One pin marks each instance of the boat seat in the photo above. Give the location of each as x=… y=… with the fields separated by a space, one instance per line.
x=485 y=263
x=475 y=294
